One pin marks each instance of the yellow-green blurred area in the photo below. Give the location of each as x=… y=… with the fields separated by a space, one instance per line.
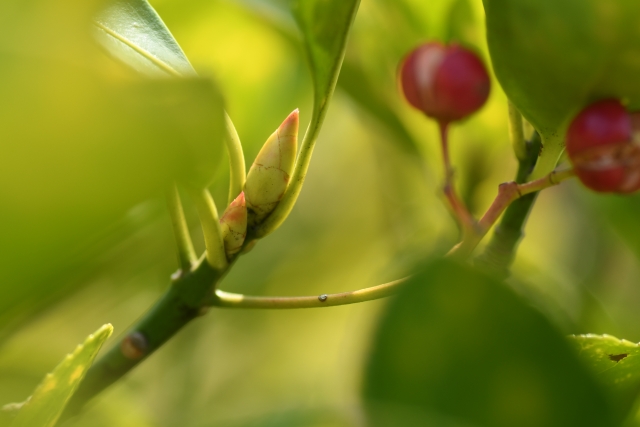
x=88 y=148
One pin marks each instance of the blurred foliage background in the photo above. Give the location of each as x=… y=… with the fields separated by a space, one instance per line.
x=369 y=210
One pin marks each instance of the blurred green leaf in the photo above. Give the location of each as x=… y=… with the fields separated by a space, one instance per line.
x=463 y=25
x=461 y=344
x=616 y=364
x=621 y=213
x=48 y=401
x=552 y=58
x=132 y=32
x=85 y=140
x=324 y=25
x=356 y=83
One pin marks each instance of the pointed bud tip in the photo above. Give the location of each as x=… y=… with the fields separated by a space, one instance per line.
x=290 y=125
x=239 y=201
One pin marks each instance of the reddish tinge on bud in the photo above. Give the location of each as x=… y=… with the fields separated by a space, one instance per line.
x=602 y=150
x=269 y=174
x=446 y=83
x=233 y=225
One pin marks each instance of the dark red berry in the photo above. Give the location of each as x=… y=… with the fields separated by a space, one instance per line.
x=447 y=83
x=601 y=148
x=602 y=123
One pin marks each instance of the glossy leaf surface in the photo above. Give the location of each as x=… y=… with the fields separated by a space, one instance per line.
x=48 y=401
x=616 y=364
x=461 y=345
x=133 y=32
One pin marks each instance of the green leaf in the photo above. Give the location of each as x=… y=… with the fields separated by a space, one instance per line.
x=462 y=345
x=132 y=31
x=357 y=84
x=620 y=212
x=616 y=364
x=324 y=25
x=46 y=404
x=553 y=58
x=463 y=26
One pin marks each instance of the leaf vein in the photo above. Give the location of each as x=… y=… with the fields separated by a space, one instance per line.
x=154 y=59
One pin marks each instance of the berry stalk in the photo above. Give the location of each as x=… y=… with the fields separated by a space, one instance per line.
x=465 y=220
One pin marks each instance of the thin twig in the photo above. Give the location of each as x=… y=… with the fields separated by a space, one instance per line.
x=231 y=300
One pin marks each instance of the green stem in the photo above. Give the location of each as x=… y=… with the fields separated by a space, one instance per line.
x=237 y=167
x=185 y=300
x=500 y=252
x=186 y=253
x=208 y=214
x=230 y=300
x=189 y=297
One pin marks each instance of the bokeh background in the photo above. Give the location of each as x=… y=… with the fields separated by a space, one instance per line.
x=369 y=210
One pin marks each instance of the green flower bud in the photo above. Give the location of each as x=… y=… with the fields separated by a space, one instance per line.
x=269 y=175
x=233 y=226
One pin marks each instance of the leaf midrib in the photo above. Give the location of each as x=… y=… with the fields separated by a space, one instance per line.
x=155 y=60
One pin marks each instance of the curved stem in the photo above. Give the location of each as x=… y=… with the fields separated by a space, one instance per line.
x=237 y=167
x=206 y=207
x=186 y=253
x=231 y=300
x=188 y=297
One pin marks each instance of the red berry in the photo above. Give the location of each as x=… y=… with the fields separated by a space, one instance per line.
x=602 y=123
x=447 y=83
x=601 y=148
